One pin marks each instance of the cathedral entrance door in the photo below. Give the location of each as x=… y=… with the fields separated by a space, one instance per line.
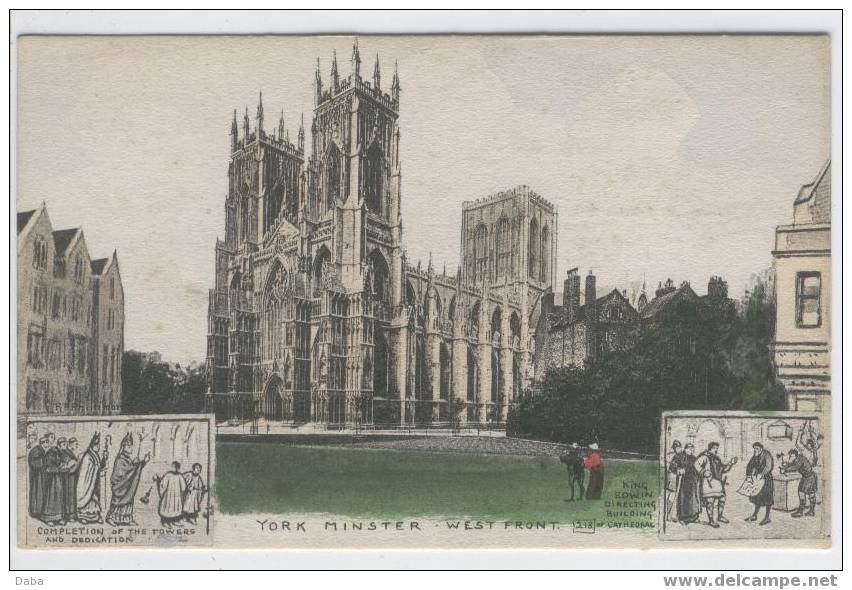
x=273 y=406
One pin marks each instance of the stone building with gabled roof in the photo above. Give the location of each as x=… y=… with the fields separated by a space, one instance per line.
x=802 y=264
x=58 y=322
x=574 y=336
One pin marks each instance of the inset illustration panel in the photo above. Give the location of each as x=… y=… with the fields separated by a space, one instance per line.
x=116 y=481
x=738 y=475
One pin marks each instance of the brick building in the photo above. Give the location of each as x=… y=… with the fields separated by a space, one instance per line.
x=574 y=336
x=70 y=322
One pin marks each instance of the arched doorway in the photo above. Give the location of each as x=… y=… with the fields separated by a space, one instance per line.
x=273 y=406
x=444 y=359
x=496 y=399
x=472 y=384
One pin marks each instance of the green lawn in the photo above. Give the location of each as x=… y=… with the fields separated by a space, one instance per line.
x=277 y=479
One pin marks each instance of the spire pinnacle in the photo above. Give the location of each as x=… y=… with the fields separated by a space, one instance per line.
x=377 y=74
x=356 y=59
x=281 y=125
x=335 y=77
x=317 y=84
x=395 y=83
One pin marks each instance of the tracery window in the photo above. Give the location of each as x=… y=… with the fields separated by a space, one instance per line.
x=374 y=179
x=332 y=177
x=503 y=248
x=533 y=251
x=480 y=271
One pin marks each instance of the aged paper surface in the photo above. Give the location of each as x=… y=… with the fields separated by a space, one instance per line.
x=423 y=292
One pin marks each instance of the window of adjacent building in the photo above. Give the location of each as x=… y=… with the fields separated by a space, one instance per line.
x=35 y=347
x=78 y=268
x=105 y=366
x=40 y=253
x=56 y=306
x=112 y=288
x=39 y=298
x=808 y=292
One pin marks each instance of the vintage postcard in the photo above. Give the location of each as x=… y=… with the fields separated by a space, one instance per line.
x=116 y=481
x=457 y=292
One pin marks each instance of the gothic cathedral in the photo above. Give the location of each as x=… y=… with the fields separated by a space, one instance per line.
x=316 y=314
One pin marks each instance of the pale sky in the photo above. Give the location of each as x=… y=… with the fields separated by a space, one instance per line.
x=666 y=156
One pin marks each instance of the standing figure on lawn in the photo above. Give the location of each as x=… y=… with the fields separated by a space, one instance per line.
x=576 y=474
x=594 y=463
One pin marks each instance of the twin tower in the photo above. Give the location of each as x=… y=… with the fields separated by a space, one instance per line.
x=315 y=314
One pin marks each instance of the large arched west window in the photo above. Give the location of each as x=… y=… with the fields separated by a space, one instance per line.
x=374 y=179
x=545 y=254
x=502 y=245
x=533 y=250
x=332 y=176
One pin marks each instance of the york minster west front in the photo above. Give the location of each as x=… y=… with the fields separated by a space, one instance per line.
x=317 y=316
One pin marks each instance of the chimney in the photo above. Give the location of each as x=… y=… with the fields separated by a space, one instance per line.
x=571 y=296
x=591 y=320
x=591 y=296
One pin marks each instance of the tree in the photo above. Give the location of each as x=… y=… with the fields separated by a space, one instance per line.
x=151 y=386
x=692 y=359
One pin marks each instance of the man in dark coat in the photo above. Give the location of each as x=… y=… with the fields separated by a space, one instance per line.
x=36 y=463
x=68 y=470
x=689 y=494
x=576 y=474
x=759 y=469
x=674 y=475
x=807 y=485
x=52 y=509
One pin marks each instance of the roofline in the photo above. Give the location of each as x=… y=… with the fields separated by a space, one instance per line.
x=37 y=212
x=813 y=184
x=78 y=233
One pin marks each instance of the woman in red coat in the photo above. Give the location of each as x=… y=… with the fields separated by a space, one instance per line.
x=594 y=464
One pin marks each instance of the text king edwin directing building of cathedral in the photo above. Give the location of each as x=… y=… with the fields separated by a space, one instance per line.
x=316 y=315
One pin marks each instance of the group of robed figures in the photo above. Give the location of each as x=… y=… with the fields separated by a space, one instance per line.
x=698 y=483
x=66 y=488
